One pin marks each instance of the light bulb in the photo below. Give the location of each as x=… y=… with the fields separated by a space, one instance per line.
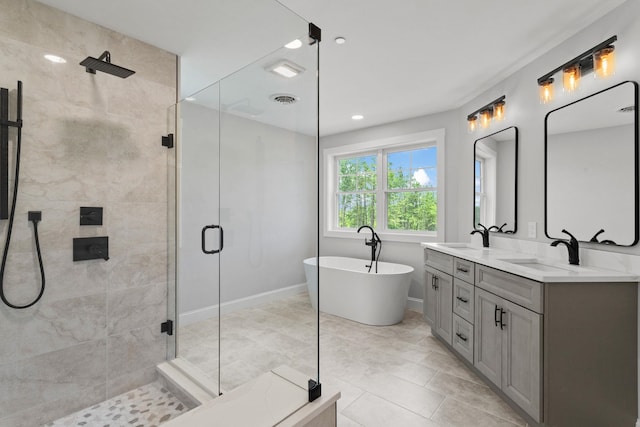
x=604 y=62
x=485 y=118
x=571 y=78
x=498 y=110
x=546 y=91
x=472 y=123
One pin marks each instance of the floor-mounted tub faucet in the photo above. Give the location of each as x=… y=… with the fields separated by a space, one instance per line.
x=374 y=242
x=572 y=247
x=485 y=235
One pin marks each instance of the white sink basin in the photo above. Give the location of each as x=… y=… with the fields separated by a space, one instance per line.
x=463 y=247
x=533 y=264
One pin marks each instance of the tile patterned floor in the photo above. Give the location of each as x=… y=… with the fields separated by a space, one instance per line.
x=389 y=376
x=147 y=406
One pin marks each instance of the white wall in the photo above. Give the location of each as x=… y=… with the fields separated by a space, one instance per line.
x=525 y=111
x=267 y=207
x=404 y=253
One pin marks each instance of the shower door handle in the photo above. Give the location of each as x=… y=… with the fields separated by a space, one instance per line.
x=204 y=232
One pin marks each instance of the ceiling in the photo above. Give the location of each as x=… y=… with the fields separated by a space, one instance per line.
x=402 y=59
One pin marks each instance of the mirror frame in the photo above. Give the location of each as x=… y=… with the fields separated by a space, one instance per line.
x=636 y=164
x=515 y=204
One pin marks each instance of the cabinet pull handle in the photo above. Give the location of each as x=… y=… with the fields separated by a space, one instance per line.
x=463 y=270
x=497 y=320
x=462 y=337
x=502 y=324
x=464 y=300
x=434 y=282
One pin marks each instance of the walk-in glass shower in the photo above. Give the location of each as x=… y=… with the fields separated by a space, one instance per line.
x=246 y=216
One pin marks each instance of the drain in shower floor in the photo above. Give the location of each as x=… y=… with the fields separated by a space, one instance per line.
x=147 y=406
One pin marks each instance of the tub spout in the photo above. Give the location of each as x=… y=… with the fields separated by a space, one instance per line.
x=375 y=242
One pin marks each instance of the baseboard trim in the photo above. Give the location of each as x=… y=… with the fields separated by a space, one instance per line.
x=235 y=305
x=416 y=304
x=638 y=422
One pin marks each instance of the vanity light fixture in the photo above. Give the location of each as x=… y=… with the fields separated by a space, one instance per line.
x=483 y=115
x=600 y=58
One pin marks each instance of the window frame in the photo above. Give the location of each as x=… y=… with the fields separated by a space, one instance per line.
x=488 y=188
x=398 y=143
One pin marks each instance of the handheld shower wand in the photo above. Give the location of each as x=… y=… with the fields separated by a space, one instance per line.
x=34 y=216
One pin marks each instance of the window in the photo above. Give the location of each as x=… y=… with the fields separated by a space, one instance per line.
x=485 y=186
x=395 y=186
x=480 y=202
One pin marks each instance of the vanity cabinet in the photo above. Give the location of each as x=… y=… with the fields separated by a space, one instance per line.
x=560 y=349
x=507 y=340
x=438 y=302
x=448 y=303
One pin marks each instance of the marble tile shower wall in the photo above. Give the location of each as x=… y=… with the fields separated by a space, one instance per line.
x=88 y=140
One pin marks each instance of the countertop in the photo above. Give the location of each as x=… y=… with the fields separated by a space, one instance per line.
x=530 y=266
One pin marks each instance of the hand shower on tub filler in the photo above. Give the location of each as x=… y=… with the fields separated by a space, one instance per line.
x=376 y=246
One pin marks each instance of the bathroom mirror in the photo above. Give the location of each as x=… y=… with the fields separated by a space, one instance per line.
x=495 y=181
x=591 y=168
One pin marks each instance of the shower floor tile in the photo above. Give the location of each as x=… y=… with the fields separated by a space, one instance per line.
x=147 y=406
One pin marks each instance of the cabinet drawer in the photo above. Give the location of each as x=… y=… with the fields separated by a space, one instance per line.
x=463 y=269
x=438 y=260
x=524 y=292
x=463 y=299
x=463 y=337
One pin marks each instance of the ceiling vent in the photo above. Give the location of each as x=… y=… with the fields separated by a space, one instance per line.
x=283 y=99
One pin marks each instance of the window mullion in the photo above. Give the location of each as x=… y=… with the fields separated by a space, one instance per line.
x=381 y=202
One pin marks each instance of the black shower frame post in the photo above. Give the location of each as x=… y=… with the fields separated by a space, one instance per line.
x=315 y=36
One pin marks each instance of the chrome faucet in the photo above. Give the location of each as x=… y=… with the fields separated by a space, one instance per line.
x=572 y=247
x=485 y=235
x=374 y=242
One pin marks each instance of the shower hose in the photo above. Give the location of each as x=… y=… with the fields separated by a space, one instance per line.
x=10 y=229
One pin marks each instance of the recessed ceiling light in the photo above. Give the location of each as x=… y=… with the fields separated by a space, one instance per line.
x=286 y=69
x=357 y=117
x=294 y=44
x=55 y=58
x=340 y=40
x=190 y=98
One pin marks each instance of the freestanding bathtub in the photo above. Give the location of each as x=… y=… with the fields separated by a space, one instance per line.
x=348 y=291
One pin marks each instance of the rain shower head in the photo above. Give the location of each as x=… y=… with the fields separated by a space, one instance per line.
x=103 y=63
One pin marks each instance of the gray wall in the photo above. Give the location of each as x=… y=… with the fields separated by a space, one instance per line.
x=88 y=140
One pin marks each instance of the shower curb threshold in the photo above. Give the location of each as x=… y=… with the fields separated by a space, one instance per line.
x=275 y=398
x=187 y=382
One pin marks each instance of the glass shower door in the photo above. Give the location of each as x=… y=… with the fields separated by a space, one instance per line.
x=198 y=237
x=246 y=218
x=269 y=212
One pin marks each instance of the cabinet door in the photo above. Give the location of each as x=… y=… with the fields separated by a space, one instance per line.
x=488 y=336
x=521 y=357
x=430 y=299
x=444 y=308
